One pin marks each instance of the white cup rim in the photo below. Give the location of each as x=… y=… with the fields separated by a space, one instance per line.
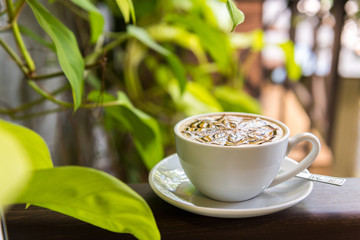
x=281 y=124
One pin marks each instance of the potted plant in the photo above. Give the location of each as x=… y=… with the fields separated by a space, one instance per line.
x=82 y=192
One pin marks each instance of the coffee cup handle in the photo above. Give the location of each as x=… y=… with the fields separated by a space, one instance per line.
x=303 y=164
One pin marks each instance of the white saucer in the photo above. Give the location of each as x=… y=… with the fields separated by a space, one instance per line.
x=169 y=182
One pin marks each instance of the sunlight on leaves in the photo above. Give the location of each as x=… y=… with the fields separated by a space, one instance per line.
x=21 y=151
x=14 y=164
x=94 y=197
x=67 y=50
x=195 y=100
x=234 y=100
x=179 y=36
x=31 y=142
x=127 y=9
x=214 y=41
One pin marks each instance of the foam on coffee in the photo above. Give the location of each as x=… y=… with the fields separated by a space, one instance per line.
x=231 y=130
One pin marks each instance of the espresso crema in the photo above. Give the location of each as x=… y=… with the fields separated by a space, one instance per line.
x=231 y=130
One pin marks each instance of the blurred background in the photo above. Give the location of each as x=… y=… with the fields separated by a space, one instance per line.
x=294 y=60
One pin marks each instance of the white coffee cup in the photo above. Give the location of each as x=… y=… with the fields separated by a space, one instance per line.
x=239 y=173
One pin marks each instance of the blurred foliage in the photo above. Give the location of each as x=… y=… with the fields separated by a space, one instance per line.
x=144 y=65
x=134 y=68
x=181 y=60
x=150 y=62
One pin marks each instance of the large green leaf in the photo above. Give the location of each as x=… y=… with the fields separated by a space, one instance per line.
x=67 y=50
x=21 y=150
x=143 y=128
x=14 y=164
x=30 y=142
x=127 y=9
x=94 y=197
x=95 y=18
x=173 y=61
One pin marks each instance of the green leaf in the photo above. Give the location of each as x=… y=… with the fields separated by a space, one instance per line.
x=95 y=18
x=67 y=50
x=141 y=35
x=21 y=150
x=143 y=128
x=224 y=1
x=179 y=36
x=28 y=32
x=94 y=197
x=234 y=100
x=127 y=8
x=174 y=62
x=236 y=15
x=14 y=163
x=32 y=143
x=212 y=38
x=195 y=100
x=135 y=54
x=292 y=68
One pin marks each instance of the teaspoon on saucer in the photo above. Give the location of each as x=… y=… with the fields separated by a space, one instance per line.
x=321 y=178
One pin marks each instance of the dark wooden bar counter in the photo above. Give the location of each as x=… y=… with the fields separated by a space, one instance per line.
x=329 y=212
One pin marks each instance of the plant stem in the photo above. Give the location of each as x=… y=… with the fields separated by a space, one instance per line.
x=90 y=58
x=33 y=103
x=29 y=61
x=16 y=32
x=13 y=111
x=38 y=114
x=10 y=9
x=14 y=57
x=116 y=42
x=49 y=96
x=60 y=73
x=46 y=76
x=67 y=104
x=19 y=6
x=105 y=104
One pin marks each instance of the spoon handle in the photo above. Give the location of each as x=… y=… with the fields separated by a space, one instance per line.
x=321 y=178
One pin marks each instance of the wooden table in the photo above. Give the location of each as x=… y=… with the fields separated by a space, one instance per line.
x=329 y=212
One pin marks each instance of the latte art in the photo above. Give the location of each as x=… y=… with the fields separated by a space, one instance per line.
x=232 y=130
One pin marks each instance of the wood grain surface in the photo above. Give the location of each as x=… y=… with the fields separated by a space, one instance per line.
x=329 y=212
